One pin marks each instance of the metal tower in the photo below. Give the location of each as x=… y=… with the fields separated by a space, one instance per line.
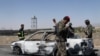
x=34 y=22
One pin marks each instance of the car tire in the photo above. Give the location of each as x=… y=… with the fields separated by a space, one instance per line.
x=17 y=51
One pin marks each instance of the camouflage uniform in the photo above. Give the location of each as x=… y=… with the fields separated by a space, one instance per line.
x=61 y=39
x=70 y=32
x=88 y=32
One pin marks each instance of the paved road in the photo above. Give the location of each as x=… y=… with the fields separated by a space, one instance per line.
x=98 y=52
x=6 y=51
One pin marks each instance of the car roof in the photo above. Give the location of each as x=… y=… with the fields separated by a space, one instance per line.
x=52 y=31
x=46 y=30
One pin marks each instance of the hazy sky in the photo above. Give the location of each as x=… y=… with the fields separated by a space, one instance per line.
x=16 y=12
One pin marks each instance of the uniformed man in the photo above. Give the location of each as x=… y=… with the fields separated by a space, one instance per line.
x=61 y=36
x=21 y=32
x=88 y=32
x=70 y=31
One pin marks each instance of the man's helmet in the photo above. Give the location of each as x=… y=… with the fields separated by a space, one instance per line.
x=87 y=21
x=22 y=24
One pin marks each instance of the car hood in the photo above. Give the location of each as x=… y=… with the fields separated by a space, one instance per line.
x=19 y=42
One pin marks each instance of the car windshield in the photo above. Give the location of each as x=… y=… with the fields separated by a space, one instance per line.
x=50 y=36
x=36 y=37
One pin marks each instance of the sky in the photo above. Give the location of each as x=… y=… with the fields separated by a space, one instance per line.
x=16 y=12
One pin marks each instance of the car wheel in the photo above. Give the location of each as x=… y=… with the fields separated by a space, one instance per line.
x=17 y=51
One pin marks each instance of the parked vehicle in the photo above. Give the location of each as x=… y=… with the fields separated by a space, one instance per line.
x=39 y=43
x=79 y=46
x=43 y=43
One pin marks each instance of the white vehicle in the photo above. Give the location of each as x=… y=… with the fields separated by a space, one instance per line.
x=43 y=43
x=80 y=46
x=39 y=43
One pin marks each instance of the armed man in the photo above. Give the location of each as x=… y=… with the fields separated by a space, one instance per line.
x=21 y=33
x=88 y=32
x=70 y=31
x=61 y=34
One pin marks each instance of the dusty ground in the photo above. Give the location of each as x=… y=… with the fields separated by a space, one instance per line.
x=6 y=40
